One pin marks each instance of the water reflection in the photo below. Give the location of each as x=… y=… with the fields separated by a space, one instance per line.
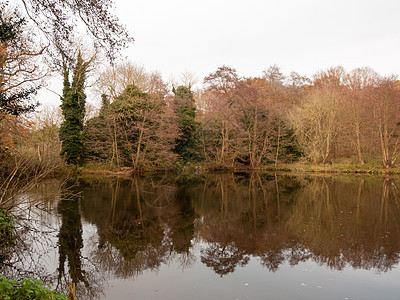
x=337 y=222
x=70 y=239
x=223 y=221
x=28 y=254
x=347 y=222
x=75 y=273
x=132 y=236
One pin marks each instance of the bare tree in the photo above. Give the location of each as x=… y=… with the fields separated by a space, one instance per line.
x=359 y=82
x=59 y=20
x=315 y=123
x=257 y=118
x=385 y=101
x=332 y=77
x=115 y=79
x=188 y=79
x=44 y=135
x=219 y=126
x=274 y=75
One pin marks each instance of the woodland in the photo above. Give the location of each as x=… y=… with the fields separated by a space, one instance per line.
x=335 y=119
x=273 y=121
x=233 y=122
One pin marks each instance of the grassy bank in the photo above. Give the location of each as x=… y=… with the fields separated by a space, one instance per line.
x=344 y=166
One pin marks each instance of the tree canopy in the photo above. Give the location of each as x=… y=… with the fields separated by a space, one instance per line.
x=59 y=20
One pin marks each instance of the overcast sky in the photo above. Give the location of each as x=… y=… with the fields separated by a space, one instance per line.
x=298 y=35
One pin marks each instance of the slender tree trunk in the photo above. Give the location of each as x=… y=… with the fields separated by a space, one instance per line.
x=39 y=154
x=277 y=147
x=358 y=143
x=115 y=143
x=224 y=133
x=253 y=154
x=206 y=157
x=136 y=162
x=356 y=115
x=384 y=150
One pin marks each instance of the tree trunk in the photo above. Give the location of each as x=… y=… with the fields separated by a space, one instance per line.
x=136 y=162
x=277 y=147
x=358 y=144
x=115 y=146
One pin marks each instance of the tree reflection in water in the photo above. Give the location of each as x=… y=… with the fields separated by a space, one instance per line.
x=223 y=259
x=348 y=224
x=225 y=220
x=70 y=244
x=334 y=221
x=34 y=236
x=149 y=221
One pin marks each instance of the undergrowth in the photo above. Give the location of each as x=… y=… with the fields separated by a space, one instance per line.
x=29 y=288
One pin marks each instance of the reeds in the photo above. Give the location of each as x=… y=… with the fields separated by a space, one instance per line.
x=22 y=174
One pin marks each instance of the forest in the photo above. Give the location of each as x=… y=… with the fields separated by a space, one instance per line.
x=337 y=118
x=235 y=121
x=270 y=121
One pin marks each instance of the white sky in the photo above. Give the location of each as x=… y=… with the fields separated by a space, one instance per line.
x=298 y=35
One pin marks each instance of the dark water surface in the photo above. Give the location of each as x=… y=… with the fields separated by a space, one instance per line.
x=227 y=236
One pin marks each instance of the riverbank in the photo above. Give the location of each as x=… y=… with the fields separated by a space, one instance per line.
x=342 y=167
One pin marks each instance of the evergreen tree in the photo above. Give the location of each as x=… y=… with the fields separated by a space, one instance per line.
x=186 y=112
x=73 y=109
x=13 y=101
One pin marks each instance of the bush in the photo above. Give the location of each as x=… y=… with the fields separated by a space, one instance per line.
x=27 y=289
x=6 y=227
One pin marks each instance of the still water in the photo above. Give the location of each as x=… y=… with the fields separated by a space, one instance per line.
x=224 y=236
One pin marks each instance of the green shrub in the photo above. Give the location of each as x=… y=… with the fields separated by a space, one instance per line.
x=6 y=227
x=27 y=289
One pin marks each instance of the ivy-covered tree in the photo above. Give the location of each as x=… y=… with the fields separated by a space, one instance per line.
x=186 y=112
x=73 y=110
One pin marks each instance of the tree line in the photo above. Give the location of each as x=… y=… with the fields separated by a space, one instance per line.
x=146 y=123
x=230 y=122
x=250 y=122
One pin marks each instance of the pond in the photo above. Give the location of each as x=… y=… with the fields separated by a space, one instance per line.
x=224 y=236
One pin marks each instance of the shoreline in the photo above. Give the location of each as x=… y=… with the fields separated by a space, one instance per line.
x=298 y=168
